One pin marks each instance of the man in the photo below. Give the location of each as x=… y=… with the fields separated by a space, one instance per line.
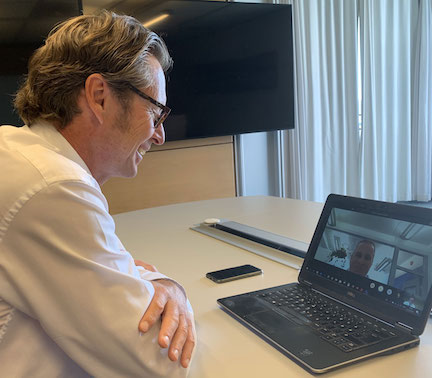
x=362 y=257
x=410 y=302
x=72 y=301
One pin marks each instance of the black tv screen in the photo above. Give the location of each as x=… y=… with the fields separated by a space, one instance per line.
x=233 y=66
x=25 y=24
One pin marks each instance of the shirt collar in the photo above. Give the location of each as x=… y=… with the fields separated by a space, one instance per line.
x=49 y=133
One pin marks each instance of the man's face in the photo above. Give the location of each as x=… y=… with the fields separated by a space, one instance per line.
x=362 y=258
x=132 y=133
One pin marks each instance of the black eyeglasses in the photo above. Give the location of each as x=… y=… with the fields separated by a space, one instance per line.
x=165 y=109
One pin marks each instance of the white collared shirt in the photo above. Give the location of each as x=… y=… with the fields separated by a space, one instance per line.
x=71 y=296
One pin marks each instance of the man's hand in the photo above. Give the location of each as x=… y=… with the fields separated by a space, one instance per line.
x=178 y=326
x=145 y=265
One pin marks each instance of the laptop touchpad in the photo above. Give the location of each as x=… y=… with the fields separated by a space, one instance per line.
x=270 y=322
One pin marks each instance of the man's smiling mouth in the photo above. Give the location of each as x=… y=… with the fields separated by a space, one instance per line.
x=141 y=151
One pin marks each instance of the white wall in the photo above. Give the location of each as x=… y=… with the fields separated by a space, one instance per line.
x=257 y=164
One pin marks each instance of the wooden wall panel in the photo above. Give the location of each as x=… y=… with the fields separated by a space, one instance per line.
x=170 y=175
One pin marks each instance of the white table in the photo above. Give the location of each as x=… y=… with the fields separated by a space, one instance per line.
x=161 y=236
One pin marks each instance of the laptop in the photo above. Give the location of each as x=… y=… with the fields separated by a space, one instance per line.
x=364 y=288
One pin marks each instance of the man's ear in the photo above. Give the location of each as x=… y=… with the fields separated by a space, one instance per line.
x=96 y=92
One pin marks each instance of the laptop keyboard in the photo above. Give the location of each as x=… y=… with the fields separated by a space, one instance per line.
x=337 y=324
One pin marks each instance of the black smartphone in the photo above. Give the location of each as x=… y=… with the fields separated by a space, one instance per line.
x=234 y=273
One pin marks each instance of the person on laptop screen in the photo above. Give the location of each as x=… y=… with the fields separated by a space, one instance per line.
x=362 y=257
x=410 y=302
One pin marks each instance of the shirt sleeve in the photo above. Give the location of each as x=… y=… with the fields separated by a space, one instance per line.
x=65 y=267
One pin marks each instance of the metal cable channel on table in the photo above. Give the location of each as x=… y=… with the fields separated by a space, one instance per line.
x=260 y=240
x=284 y=250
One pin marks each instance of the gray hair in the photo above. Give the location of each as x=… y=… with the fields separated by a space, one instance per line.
x=116 y=46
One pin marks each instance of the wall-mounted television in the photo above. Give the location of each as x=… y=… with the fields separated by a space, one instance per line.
x=233 y=62
x=233 y=66
x=25 y=25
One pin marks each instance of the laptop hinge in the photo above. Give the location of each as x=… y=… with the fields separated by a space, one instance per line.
x=403 y=327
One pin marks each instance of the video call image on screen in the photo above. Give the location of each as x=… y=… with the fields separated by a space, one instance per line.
x=394 y=253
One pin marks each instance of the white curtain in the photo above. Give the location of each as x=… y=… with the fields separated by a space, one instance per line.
x=422 y=105
x=323 y=149
x=389 y=157
x=388 y=47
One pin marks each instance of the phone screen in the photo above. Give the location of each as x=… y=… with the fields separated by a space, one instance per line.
x=230 y=274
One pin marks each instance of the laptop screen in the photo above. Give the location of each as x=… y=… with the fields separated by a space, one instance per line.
x=375 y=256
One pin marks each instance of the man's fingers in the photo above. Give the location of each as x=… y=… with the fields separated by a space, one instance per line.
x=188 y=347
x=170 y=322
x=177 y=330
x=179 y=339
x=145 y=265
x=155 y=309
